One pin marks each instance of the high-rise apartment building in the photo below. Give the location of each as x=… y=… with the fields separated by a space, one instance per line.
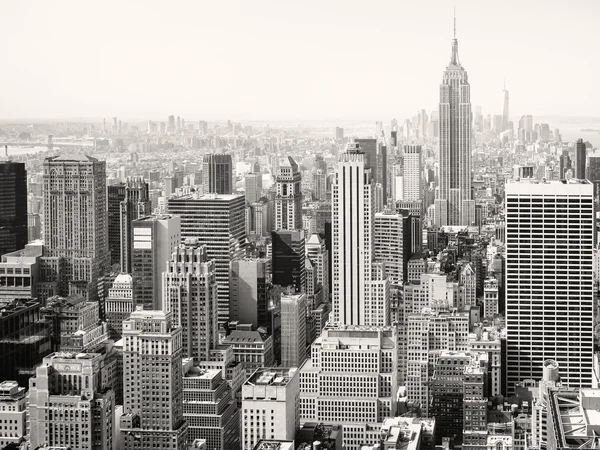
x=190 y=294
x=253 y=187
x=580 y=160
x=217 y=174
x=69 y=407
x=288 y=259
x=454 y=198
x=217 y=221
x=154 y=238
x=293 y=329
x=549 y=280
x=270 y=406
x=209 y=408
x=119 y=304
x=288 y=196
x=412 y=173
x=351 y=378
x=152 y=382
x=360 y=292
x=76 y=255
x=13 y=206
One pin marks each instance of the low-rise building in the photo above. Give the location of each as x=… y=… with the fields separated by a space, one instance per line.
x=252 y=349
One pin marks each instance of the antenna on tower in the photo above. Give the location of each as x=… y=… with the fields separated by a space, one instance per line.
x=455 y=22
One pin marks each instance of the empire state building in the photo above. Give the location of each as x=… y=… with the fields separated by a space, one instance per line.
x=454 y=204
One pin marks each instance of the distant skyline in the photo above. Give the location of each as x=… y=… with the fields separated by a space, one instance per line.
x=313 y=60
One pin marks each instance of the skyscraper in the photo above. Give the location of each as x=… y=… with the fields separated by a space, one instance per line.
x=580 y=155
x=69 y=405
x=288 y=196
x=293 y=330
x=412 y=173
x=505 y=119
x=351 y=378
x=76 y=255
x=360 y=296
x=288 y=259
x=134 y=205
x=152 y=368
x=317 y=252
x=253 y=185
x=455 y=145
x=13 y=206
x=549 y=280
x=119 y=304
x=190 y=289
x=248 y=292
x=116 y=194
x=217 y=221
x=154 y=238
x=209 y=409
x=217 y=173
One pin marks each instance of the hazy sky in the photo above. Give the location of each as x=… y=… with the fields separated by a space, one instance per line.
x=283 y=59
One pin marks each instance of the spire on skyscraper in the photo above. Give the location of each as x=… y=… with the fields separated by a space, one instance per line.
x=454 y=59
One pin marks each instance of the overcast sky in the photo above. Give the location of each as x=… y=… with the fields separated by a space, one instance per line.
x=283 y=59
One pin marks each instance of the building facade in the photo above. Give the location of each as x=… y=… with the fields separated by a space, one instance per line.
x=351 y=379
x=217 y=221
x=217 y=174
x=549 y=280
x=13 y=206
x=154 y=238
x=76 y=253
x=454 y=205
x=153 y=347
x=360 y=295
x=190 y=294
x=293 y=330
x=288 y=196
x=269 y=406
x=68 y=405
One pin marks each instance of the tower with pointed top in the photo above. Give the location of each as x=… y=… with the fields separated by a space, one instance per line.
x=505 y=110
x=454 y=204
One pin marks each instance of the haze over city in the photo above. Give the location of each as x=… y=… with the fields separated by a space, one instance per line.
x=311 y=60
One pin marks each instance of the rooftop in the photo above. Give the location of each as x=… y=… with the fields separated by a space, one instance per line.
x=211 y=196
x=267 y=376
x=155 y=217
x=241 y=336
x=72 y=158
x=264 y=444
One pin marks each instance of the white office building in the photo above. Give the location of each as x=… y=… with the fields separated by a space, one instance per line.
x=357 y=284
x=549 y=280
